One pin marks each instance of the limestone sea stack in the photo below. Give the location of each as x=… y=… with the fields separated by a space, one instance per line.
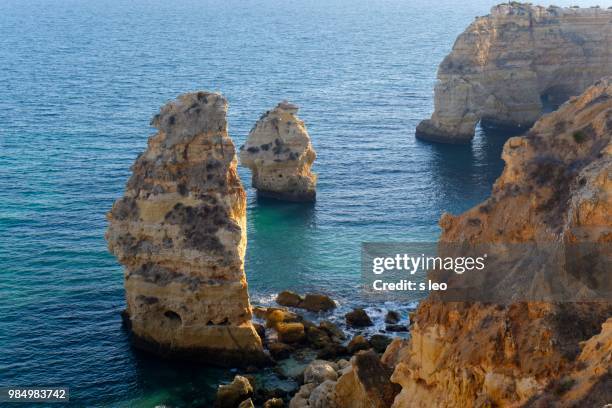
x=279 y=153
x=180 y=232
x=556 y=187
x=506 y=65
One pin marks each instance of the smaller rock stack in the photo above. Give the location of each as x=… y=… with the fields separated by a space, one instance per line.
x=279 y=153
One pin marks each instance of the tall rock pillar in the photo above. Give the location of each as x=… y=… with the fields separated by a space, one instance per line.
x=180 y=232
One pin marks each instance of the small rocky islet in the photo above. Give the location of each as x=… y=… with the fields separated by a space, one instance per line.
x=180 y=232
x=313 y=358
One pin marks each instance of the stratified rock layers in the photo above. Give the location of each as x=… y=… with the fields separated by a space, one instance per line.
x=180 y=232
x=505 y=64
x=556 y=187
x=279 y=153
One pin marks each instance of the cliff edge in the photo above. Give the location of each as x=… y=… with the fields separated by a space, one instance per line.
x=505 y=66
x=556 y=187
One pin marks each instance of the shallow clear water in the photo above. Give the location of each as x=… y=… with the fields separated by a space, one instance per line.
x=79 y=81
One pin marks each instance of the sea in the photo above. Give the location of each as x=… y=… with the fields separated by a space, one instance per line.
x=79 y=82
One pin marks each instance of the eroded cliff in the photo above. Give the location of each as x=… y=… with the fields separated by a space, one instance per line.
x=279 y=153
x=556 y=187
x=180 y=232
x=507 y=64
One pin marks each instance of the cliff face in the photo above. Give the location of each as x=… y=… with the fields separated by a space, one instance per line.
x=180 y=232
x=279 y=153
x=556 y=187
x=506 y=63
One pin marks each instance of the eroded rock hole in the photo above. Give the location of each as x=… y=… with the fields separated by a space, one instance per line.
x=173 y=316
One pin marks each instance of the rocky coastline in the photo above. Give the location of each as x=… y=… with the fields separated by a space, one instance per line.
x=507 y=66
x=180 y=232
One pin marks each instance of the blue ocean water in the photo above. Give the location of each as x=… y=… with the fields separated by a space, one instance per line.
x=79 y=81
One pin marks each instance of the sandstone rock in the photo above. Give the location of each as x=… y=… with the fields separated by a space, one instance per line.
x=332 y=351
x=358 y=343
x=396 y=328
x=180 y=232
x=274 y=403
x=318 y=338
x=300 y=399
x=316 y=302
x=380 y=342
x=505 y=64
x=279 y=154
x=323 y=395
x=288 y=298
x=277 y=316
x=555 y=188
x=393 y=353
x=342 y=363
x=358 y=318
x=290 y=332
x=392 y=317
x=247 y=404
x=319 y=371
x=332 y=330
x=260 y=329
x=280 y=351
x=230 y=395
x=589 y=383
x=366 y=385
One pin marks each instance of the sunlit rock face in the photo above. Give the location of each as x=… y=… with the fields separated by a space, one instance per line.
x=180 y=232
x=279 y=153
x=556 y=187
x=506 y=65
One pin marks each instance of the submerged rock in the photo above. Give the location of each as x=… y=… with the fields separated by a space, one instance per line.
x=231 y=395
x=505 y=66
x=358 y=318
x=392 y=317
x=180 y=232
x=279 y=153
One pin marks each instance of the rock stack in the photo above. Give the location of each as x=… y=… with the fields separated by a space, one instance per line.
x=279 y=154
x=506 y=65
x=180 y=232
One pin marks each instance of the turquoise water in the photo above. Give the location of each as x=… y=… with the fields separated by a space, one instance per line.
x=79 y=81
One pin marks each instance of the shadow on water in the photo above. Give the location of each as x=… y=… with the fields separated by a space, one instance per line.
x=170 y=383
x=284 y=248
x=464 y=174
